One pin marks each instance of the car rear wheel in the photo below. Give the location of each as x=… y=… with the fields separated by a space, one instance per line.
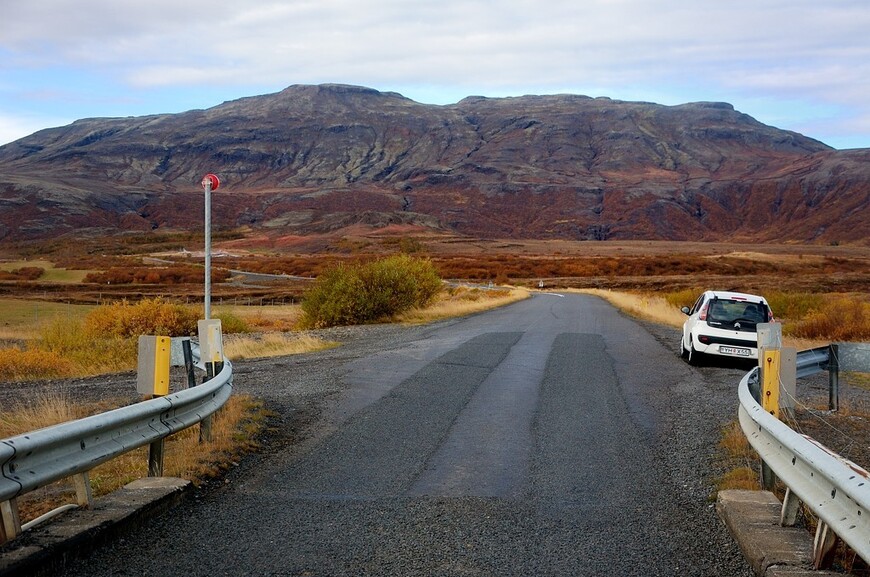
x=683 y=352
x=693 y=356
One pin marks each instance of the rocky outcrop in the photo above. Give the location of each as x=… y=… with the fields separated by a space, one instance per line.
x=316 y=158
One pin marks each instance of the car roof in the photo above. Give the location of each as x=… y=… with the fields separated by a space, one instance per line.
x=737 y=296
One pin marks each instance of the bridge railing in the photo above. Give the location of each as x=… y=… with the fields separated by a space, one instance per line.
x=32 y=460
x=835 y=489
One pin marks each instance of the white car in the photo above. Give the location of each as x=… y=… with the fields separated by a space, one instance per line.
x=723 y=323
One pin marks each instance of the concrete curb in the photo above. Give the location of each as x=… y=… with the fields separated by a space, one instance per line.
x=45 y=549
x=752 y=517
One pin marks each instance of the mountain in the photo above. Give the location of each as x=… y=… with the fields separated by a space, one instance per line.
x=313 y=159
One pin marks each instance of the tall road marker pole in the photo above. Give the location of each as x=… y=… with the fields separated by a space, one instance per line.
x=210 y=182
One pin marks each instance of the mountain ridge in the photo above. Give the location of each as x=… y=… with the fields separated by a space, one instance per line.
x=313 y=159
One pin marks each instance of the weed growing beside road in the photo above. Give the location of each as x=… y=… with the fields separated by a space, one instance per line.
x=365 y=293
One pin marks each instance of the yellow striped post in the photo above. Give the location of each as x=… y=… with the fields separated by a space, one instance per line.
x=770 y=371
x=152 y=377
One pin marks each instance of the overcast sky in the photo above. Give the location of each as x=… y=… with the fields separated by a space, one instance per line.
x=801 y=65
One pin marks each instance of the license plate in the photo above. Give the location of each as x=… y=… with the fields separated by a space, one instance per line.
x=735 y=351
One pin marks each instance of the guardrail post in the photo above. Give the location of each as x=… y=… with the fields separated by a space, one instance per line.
x=834 y=378
x=212 y=352
x=155 y=458
x=823 y=546
x=10 y=528
x=188 y=363
x=205 y=424
x=84 y=496
x=768 y=477
x=790 y=506
x=155 y=358
x=770 y=381
x=769 y=345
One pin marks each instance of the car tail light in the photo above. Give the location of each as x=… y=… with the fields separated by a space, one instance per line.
x=703 y=314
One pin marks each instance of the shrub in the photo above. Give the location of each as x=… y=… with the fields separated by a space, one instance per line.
x=89 y=353
x=683 y=298
x=147 y=317
x=106 y=340
x=355 y=294
x=18 y=365
x=22 y=274
x=172 y=275
x=842 y=319
x=794 y=306
x=231 y=323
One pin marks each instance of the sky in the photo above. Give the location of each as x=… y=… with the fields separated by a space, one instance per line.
x=801 y=65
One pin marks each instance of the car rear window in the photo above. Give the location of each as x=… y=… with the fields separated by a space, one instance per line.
x=728 y=311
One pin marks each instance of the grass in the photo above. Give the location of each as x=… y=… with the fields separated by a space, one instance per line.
x=648 y=307
x=462 y=301
x=28 y=365
x=50 y=274
x=739 y=460
x=818 y=328
x=279 y=318
x=234 y=430
x=839 y=319
x=44 y=411
x=273 y=345
x=22 y=319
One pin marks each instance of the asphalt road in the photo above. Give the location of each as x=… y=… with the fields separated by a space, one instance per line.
x=551 y=437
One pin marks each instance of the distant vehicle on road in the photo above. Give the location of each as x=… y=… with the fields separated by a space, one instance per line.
x=724 y=324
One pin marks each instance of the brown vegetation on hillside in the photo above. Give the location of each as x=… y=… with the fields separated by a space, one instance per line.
x=24 y=273
x=171 y=275
x=313 y=160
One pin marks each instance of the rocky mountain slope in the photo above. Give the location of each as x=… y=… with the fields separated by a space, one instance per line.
x=316 y=159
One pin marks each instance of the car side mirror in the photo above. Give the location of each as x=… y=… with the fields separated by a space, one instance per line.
x=685 y=310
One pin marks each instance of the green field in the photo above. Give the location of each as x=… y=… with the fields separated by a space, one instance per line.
x=21 y=319
x=51 y=274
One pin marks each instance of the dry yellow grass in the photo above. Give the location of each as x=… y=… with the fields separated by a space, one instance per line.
x=658 y=309
x=265 y=318
x=741 y=478
x=44 y=411
x=238 y=347
x=648 y=307
x=774 y=258
x=741 y=459
x=735 y=445
x=462 y=301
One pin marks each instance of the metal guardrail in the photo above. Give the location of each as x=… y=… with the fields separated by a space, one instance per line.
x=812 y=361
x=834 y=488
x=35 y=459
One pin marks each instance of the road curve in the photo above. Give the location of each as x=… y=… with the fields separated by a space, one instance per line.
x=551 y=437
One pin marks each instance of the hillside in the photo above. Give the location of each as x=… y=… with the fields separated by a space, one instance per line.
x=314 y=159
